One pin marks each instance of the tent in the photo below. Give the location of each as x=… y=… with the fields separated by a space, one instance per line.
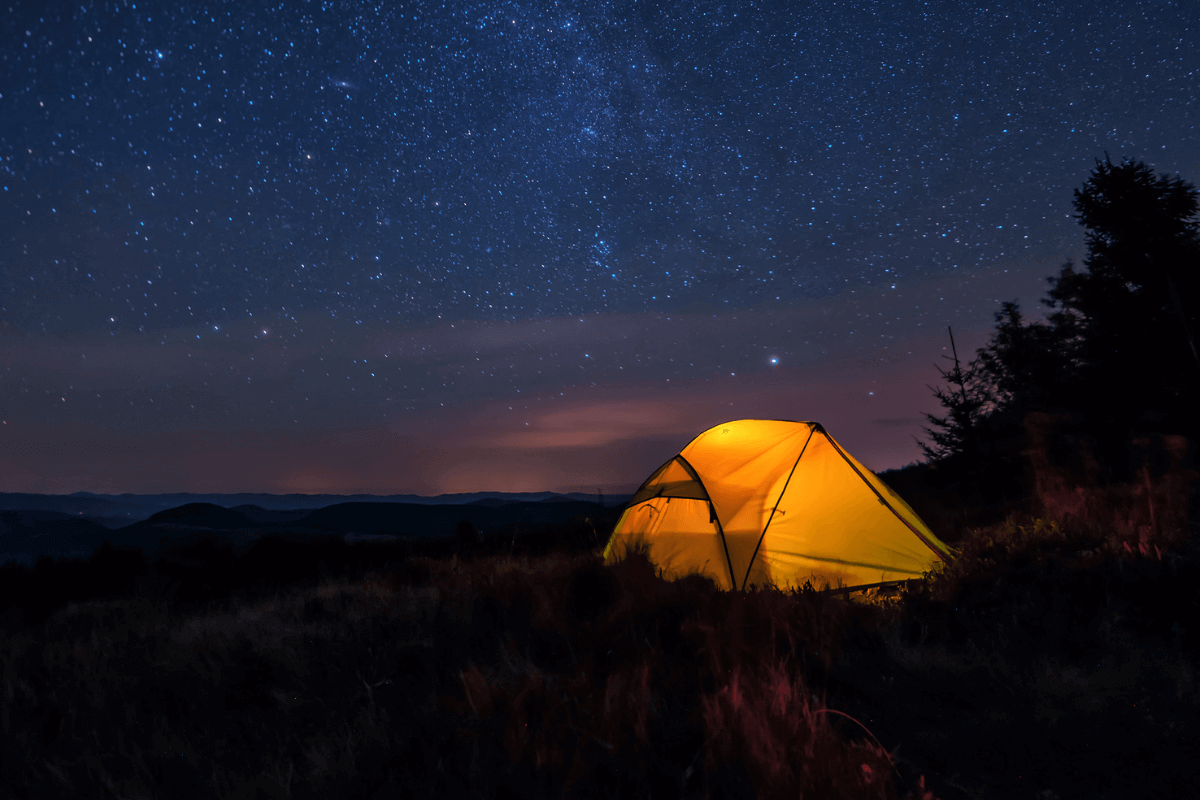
x=755 y=502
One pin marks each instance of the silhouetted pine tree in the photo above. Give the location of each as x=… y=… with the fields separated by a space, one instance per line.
x=1119 y=352
x=1027 y=366
x=1132 y=315
x=954 y=439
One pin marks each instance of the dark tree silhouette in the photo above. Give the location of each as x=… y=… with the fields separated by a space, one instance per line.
x=954 y=439
x=1131 y=315
x=1143 y=231
x=1027 y=366
x=1117 y=357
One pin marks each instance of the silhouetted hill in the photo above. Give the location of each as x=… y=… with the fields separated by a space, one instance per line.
x=117 y=511
x=408 y=519
x=203 y=515
x=259 y=515
x=27 y=534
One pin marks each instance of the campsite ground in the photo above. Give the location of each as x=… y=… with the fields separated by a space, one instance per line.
x=1054 y=658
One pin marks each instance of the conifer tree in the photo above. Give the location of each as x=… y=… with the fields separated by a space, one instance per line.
x=1132 y=313
x=954 y=438
x=1120 y=351
x=1026 y=366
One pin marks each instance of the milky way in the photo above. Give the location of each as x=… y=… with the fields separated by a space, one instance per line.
x=254 y=217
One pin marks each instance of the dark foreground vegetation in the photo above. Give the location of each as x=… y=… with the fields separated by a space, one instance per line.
x=1056 y=657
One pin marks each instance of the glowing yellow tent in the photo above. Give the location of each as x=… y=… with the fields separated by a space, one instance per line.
x=755 y=501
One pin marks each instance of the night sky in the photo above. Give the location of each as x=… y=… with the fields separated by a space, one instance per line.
x=343 y=247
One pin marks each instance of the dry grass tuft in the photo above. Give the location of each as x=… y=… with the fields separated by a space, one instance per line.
x=766 y=721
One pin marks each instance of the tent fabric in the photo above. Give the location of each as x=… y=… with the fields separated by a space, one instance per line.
x=774 y=502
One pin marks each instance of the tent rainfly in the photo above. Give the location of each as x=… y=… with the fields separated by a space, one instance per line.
x=772 y=502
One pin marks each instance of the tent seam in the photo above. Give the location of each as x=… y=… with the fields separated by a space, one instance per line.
x=782 y=492
x=713 y=511
x=849 y=563
x=882 y=499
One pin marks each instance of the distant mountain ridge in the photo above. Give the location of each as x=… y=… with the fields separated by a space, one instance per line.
x=118 y=510
x=30 y=532
x=389 y=519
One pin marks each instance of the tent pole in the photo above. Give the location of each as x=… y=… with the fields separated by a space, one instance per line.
x=774 y=508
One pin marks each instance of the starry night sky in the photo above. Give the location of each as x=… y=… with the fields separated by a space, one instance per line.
x=341 y=247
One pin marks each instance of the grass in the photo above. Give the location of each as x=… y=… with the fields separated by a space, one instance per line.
x=1055 y=657
x=655 y=683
